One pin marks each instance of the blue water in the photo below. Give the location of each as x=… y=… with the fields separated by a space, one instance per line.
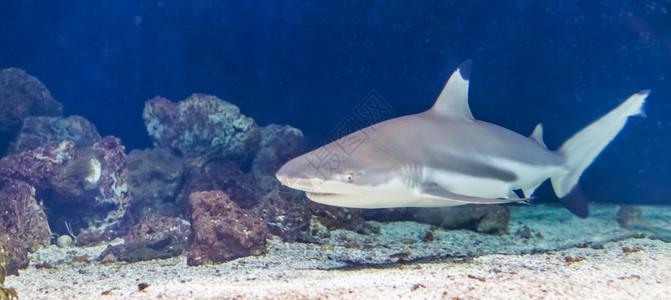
x=563 y=63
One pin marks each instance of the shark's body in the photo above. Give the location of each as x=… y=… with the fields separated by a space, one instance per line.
x=444 y=157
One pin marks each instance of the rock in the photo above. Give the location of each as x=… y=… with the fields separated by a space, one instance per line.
x=77 y=179
x=21 y=96
x=203 y=127
x=86 y=187
x=340 y=218
x=148 y=250
x=95 y=177
x=64 y=241
x=289 y=214
x=225 y=176
x=222 y=231
x=153 y=227
x=385 y=215
x=285 y=214
x=155 y=177
x=317 y=231
x=38 y=167
x=479 y=218
x=278 y=145
x=629 y=215
x=37 y=131
x=110 y=192
x=23 y=226
x=153 y=237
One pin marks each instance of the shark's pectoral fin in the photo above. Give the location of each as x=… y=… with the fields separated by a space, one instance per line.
x=450 y=198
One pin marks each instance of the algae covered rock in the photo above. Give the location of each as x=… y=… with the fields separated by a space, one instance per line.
x=222 y=231
x=21 y=96
x=201 y=126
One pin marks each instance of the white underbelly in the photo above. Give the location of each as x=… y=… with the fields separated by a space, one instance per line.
x=467 y=184
x=527 y=178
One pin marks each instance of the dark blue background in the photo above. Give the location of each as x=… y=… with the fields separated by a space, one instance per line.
x=563 y=63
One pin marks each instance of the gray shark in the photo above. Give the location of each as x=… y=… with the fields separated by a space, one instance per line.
x=445 y=157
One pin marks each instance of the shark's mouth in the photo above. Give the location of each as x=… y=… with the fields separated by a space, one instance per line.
x=310 y=194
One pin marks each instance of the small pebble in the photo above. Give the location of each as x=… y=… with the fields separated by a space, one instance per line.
x=142 y=285
x=64 y=241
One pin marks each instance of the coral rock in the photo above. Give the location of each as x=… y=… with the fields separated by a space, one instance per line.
x=23 y=226
x=37 y=131
x=201 y=126
x=222 y=231
x=21 y=96
x=278 y=145
x=156 y=177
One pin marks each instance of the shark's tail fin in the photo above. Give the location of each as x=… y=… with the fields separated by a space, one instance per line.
x=582 y=148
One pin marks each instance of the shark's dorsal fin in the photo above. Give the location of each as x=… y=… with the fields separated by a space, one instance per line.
x=537 y=135
x=453 y=100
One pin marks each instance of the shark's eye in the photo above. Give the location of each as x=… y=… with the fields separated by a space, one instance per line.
x=348 y=177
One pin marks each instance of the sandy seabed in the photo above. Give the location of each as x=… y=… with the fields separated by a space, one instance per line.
x=622 y=268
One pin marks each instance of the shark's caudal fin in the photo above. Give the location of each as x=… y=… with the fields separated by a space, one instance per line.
x=582 y=148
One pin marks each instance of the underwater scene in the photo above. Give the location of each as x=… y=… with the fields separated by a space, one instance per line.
x=158 y=149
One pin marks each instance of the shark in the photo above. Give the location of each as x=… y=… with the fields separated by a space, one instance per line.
x=445 y=157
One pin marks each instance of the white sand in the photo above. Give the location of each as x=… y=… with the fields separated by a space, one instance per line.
x=623 y=269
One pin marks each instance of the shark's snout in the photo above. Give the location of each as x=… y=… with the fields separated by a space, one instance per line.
x=298 y=180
